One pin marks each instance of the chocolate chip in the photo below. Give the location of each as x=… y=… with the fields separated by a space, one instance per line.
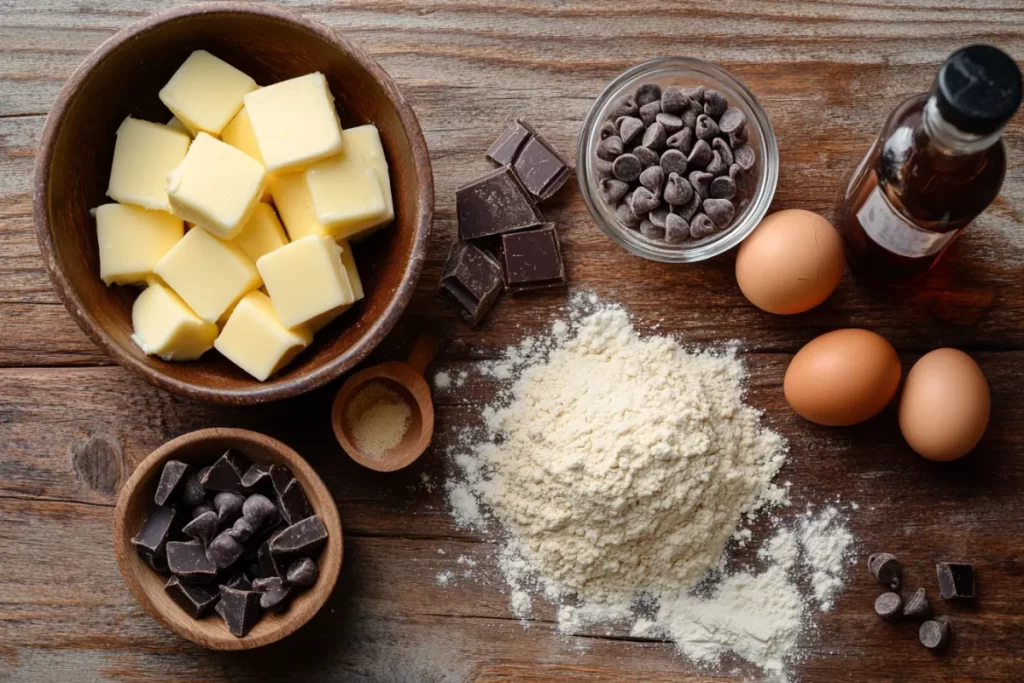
x=732 y=120
x=259 y=511
x=956 y=580
x=224 y=550
x=241 y=530
x=678 y=190
x=202 y=509
x=303 y=538
x=886 y=569
x=202 y=528
x=673 y=100
x=603 y=168
x=721 y=211
x=643 y=201
x=610 y=148
x=683 y=141
x=706 y=128
x=889 y=606
x=736 y=173
x=654 y=180
x=723 y=187
x=631 y=129
x=715 y=103
x=626 y=217
x=700 y=155
x=192 y=492
x=649 y=112
x=651 y=231
x=190 y=562
x=627 y=168
x=701 y=226
x=724 y=150
x=673 y=124
x=716 y=166
x=613 y=190
x=172 y=479
x=608 y=129
x=274 y=594
x=689 y=116
x=673 y=161
x=303 y=572
x=689 y=210
x=917 y=606
x=647 y=157
x=655 y=137
x=625 y=106
x=744 y=156
x=195 y=600
x=228 y=505
x=695 y=94
x=934 y=634
x=738 y=138
x=240 y=610
x=701 y=182
x=677 y=230
x=647 y=93
x=658 y=216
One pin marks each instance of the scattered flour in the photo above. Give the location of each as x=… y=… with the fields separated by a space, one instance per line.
x=442 y=380
x=444 y=578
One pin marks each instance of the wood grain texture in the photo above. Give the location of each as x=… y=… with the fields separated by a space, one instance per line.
x=826 y=71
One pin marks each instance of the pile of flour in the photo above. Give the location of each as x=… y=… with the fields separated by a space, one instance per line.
x=618 y=468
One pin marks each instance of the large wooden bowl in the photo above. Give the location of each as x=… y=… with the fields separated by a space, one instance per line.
x=203 y=447
x=123 y=77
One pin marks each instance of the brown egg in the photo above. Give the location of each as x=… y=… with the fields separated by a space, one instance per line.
x=791 y=263
x=945 y=405
x=842 y=377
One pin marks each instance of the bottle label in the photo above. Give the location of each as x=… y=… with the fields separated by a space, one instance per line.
x=894 y=232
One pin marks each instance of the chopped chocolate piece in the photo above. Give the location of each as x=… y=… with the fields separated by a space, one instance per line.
x=956 y=580
x=240 y=609
x=202 y=509
x=682 y=141
x=673 y=100
x=648 y=92
x=889 y=606
x=655 y=137
x=917 y=606
x=627 y=168
x=625 y=106
x=257 y=477
x=706 y=128
x=281 y=476
x=171 y=479
x=886 y=569
x=934 y=634
x=541 y=168
x=608 y=129
x=678 y=190
x=700 y=155
x=724 y=150
x=653 y=179
x=195 y=600
x=494 y=204
x=533 y=259
x=673 y=124
x=192 y=493
x=631 y=129
x=613 y=190
x=225 y=474
x=646 y=156
x=677 y=230
x=649 y=113
x=157 y=563
x=151 y=541
x=505 y=149
x=732 y=120
x=268 y=563
x=228 y=505
x=259 y=512
x=715 y=103
x=744 y=156
x=274 y=593
x=240 y=582
x=701 y=226
x=721 y=211
x=203 y=528
x=471 y=282
x=303 y=538
x=294 y=504
x=610 y=148
x=723 y=187
x=189 y=562
x=224 y=550
x=651 y=231
x=241 y=531
x=303 y=572
x=673 y=161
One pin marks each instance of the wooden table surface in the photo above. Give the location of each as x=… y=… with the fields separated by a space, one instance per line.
x=72 y=426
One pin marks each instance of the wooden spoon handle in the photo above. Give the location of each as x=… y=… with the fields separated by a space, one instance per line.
x=423 y=352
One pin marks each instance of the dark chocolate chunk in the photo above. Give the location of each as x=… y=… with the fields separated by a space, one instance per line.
x=259 y=511
x=202 y=509
x=533 y=259
x=956 y=580
x=304 y=538
x=625 y=215
x=267 y=561
x=673 y=161
x=889 y=606
x=195 y=600
x=721 y=211
x=678 y=190
x=151 y=541
x=294 y=505
x=643 y=201
x=700 y=155
x=701 y=182
x=613 y=190
x=504 y=150
x=715 y=103
x=240 y=610
x=625 y=106
x=690 y=209
x=192 y=492
x=677 y=230
x=696 y=94
x=723 y=187
x=157 y=563
x=189 y=562
x=280 y=476
x=646 y=156
x=228 y=505
x=732 y=120
x=701 y=226
x=172 y=479
x=649 y=112
x=886 y=569
x=471 y=283
x=934 y=634
x=274 y=593
x=303 y=572
x=542 y=168
x=655 y=137
x=225 y=474
x=745 y=157
x=257 y=477
x=673 y=124
x=706 y=128
x=241 y=531
x=683 y=141
x=651 y=231
x=646 y=93
x=631 y=129
x=610 y=148
x=494 y=204
x=917 y=606
x=223 y=551
x=653 y=179
x=724 y=150
x=203 y=528
x=627 y=168
x=240 y=582
x=673 y=100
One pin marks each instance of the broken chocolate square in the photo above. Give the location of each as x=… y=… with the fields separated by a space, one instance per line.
x=533 y=259
x=505 y=149
x=257 y=477
x=151 y=541
x=304 y=538
x=495 y=204
x=239 y=609
x=240 y=581
x=956 y=580
x=195 y=600
x=172 y=477
x=539 y=166
x=280 y=476
x=268 y=563
x=471 y=281
x=226 y=473
x=293 y=503
x=189 y=562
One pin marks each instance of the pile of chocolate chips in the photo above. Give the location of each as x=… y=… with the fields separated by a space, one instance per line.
x=244 y=527
x=673 y=163
x=504 y=242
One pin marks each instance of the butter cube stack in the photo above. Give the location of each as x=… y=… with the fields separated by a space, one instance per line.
x=229 y=145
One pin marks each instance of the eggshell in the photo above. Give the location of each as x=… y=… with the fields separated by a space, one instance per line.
x=945 y=406
x=842 y=377
x=791 y=263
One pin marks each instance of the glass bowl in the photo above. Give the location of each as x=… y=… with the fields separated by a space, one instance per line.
x=758 y=189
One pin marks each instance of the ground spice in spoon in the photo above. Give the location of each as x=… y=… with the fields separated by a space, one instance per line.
x=378 y=418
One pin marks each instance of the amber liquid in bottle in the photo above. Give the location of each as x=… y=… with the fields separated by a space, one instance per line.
x=919 y=186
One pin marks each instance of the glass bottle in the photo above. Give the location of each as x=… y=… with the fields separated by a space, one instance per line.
x=938 y=162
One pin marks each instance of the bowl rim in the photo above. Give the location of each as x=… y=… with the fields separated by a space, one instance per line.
x=257 y=392
x=329 y=569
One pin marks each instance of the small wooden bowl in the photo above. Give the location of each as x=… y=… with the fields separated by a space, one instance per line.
x=123 y=77
x=136 y=501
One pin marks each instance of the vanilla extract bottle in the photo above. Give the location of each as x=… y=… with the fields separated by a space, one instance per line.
x=938 y=163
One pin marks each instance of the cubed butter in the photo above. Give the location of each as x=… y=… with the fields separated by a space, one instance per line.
x=295 y=123
x=346 y=195
x=291 y=197
x=211 y=275
x=262 y=234
x=165 y=326
x=144 y=154
x=176 y=124
x=132 y=240
x=365 y=140
x=216 y=186
x=239 y=134
x=256 y=341
x=206 y=92
x=307 y=281
x=348 y=260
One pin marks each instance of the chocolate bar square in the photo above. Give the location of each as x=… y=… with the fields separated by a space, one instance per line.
x=471 y=281
x=495 y=204
x=537 y=163
x=533 y=259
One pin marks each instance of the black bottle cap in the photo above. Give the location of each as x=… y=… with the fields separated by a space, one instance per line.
x=978 y=89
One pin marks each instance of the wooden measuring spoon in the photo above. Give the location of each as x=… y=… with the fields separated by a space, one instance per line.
x=406 y=380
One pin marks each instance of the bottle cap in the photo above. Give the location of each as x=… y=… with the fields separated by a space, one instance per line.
x=978 y=89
